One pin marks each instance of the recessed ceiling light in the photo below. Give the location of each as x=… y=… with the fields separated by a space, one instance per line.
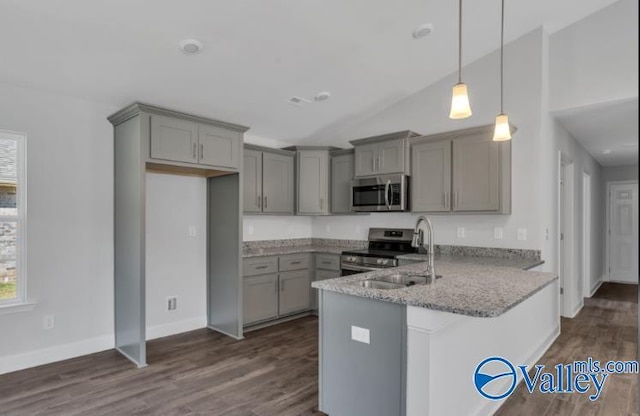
x=191 y=46
x=423 y=30
x=606 y=151
x=322 y=96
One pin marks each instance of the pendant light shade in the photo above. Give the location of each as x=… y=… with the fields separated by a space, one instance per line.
x=502 y=130
x=460 y=107
x=460 y=102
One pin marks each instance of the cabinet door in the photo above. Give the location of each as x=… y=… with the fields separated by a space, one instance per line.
x=313 y=179
x=294 y=292
x=366 y=159
x=252 y=181
x=341 y=176
x=315 y=293
x=476 y=173
x=431 y=177
x=391 y=155
x=218 y=147
x=174 y=139
x=277 y=183
x=260 y=298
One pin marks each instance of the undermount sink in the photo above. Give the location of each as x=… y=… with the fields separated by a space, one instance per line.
x=378 y=284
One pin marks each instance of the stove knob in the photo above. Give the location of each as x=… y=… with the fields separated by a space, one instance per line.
x=379 y=261
x=385 y=262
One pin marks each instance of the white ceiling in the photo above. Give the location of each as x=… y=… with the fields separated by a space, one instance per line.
x=257 y=53
x=608 y=131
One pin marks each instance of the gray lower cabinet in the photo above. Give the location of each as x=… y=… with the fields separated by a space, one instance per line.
x=462 y=171
x=313 y=182
x=260 y=295
x=342 y=171
x=294 y=292
x=268 y=181
x=184 y=141
x=327 y=266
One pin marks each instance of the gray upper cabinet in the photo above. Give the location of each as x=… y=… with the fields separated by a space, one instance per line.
x=218 y=147
x=342 y=171
x=431 y=176
x=174 y=139
x=381 y=155
x=187 y=142
x=252 y=181
x=268 y=181
x=461 y=171
x=476 y=173
x=313 y=182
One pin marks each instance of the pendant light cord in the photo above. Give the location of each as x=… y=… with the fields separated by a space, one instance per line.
x=502 y=60
x=459 y=41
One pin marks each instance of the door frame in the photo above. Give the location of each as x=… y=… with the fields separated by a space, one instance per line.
x=566 y=225
x=607 y=233
x=586 y=233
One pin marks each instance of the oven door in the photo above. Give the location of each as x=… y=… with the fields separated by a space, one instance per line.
x=349 y=269
x=380 y=193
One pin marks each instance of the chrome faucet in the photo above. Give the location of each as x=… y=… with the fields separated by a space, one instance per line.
x=418 y=242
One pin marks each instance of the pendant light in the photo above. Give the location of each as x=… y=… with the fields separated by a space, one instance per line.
x=460 y=99
x=502 y=131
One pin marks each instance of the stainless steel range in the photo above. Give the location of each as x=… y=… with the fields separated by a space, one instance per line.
x=385 y=245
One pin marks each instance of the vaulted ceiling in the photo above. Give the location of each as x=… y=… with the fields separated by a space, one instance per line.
x=256 y=53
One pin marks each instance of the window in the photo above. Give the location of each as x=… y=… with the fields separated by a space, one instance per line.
x=12 y=218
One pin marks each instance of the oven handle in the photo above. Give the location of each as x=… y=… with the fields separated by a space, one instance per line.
x=387 y=188
x=358 y=268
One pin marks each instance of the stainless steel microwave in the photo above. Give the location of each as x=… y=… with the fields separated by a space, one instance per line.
x=383 y=193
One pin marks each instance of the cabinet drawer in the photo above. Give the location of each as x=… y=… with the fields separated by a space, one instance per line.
x=327 y=274
x=328 y=261
x=294 y=262
x=259 y=265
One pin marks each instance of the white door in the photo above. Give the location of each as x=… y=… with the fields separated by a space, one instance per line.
x=623 y=232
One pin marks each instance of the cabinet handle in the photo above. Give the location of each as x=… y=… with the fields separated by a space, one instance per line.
x=455 y=200
x=325 y=262
x=295 y=262
x=201 y=151
x=281 y=285
x=265 y=202
x=261 y=267
x=194 y=151
x=258 y=201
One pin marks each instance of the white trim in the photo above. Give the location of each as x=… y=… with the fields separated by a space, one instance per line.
x=173 y=328
x=130 y=358
x=576 y=309
x=7 y=308
x=607 y=262
x=225 y=333
x=596 y=286
x=29 y=359
x=21 y=219
x=586 y=233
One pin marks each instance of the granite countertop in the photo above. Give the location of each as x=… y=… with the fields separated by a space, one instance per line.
x=470 y=286
x=280 y=251
x=518 y=262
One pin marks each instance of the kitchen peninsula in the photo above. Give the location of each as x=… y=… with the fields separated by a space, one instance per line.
x=413 y=350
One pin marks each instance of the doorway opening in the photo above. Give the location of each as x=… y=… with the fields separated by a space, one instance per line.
x=587 y=289
x=622 y=232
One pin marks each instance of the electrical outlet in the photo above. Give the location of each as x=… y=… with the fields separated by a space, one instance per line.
x=522 y=234
x=48 y=322
x=546 y=234
x=192 y=231
x=251 y=230
x=498 y=233
x=172 y=303
x=360 y=334
x=460 y=232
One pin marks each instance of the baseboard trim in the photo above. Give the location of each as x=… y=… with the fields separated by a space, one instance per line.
x=278 y=321
x=576 y=310
x=492 y=406
x=213 y=328
x=56 y=353
x=174 y=328
x=596 y=286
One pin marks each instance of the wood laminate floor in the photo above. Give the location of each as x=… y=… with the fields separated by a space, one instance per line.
x=273 y=372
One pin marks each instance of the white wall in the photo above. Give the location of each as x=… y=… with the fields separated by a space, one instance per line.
x=176 y=262
x=70 y=227
x=620 y=173
x=595 y=60
x=427 y=112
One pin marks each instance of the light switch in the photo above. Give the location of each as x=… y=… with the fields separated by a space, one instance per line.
x=360 y=334
x=251 y=230
x=460 y=232
x=498 y=233
x=522 y=234
x=192 y=231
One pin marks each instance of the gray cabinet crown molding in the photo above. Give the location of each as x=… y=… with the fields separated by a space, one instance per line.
x=448 y=135
x=249 y=146
x=405 y=134
x=136 y=108
x=299 y=148
x=341 y=152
